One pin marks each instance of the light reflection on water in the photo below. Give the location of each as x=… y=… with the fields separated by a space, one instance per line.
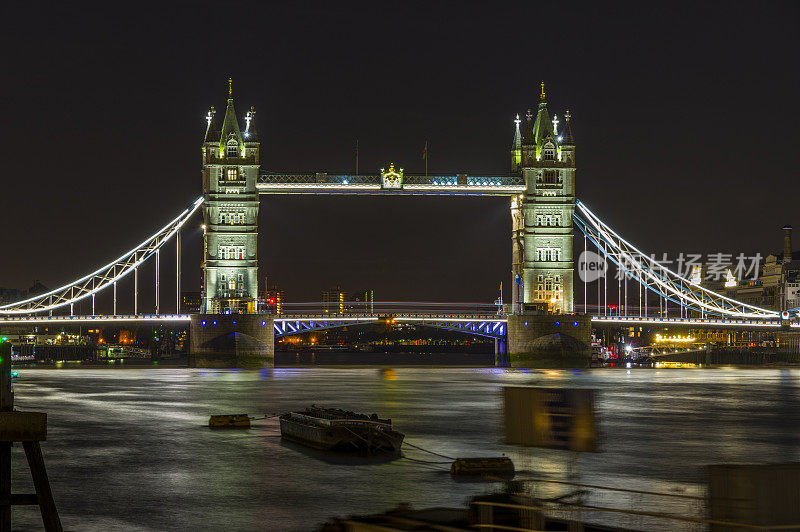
x=130 y=450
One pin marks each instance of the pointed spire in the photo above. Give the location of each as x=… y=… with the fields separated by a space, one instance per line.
x=528 y=137
x=543 y=127
x=566 y=135
x=230 y=125
x=517 y=137
x=250 y=133
x=212 y=135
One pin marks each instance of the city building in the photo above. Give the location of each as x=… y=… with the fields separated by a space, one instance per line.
x=272 y=299
x=778 y=284
x=334 y=301
x=191 y=302
x=363 y=302
x=10 y=295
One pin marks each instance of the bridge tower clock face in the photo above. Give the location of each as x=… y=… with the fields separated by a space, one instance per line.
x=391 y=178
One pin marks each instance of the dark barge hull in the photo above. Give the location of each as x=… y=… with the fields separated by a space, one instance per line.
x=346 y=435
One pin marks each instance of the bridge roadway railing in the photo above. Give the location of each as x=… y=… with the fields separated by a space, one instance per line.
x=492 y=326
x=99 y=319
x=321 y=183
x=719 y=322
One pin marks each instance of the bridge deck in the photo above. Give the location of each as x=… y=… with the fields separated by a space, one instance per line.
x=323 y=183
x=415 y=317
x=700 y=322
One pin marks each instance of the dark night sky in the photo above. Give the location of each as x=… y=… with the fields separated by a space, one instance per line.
x=685 y=120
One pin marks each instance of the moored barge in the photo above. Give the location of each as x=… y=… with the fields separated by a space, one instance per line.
x=334 y=429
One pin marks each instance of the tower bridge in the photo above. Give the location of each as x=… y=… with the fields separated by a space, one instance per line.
x=229 y=331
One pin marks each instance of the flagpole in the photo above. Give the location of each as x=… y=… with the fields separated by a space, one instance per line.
x=425 y=156
x=356 y=157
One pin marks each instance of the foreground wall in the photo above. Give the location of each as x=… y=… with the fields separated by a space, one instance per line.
x=231 y=341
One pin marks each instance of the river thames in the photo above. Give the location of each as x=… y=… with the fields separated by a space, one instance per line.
x=129 y=449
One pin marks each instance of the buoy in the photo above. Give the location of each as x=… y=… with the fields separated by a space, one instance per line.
x=233 y=421
x=501 y=467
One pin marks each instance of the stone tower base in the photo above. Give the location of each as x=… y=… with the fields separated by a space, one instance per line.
x=549 y=340
x=231 y=341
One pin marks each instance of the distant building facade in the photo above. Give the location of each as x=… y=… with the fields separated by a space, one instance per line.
x=334 y=301
x=272 y=298
x=10 y=295
x=778 y=283
x=191 y=302
x=363 y=302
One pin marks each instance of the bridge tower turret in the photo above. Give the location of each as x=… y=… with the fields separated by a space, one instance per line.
x=230 y=214
x=544 y=232
x=542 y=263
x=516 y=148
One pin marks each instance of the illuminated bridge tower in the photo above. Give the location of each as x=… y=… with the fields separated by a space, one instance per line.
x=542 y=237
x=230 y=214
x=228 y=332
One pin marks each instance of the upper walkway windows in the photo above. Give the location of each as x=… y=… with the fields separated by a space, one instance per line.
x=548 y=254
x=231 y=253
x=232 y=148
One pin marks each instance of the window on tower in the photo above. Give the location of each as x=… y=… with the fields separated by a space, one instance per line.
x=232 y=148
x=233 y=174
x=550 y=177
x=549 y=153
x=548 y=254
x=231 y=253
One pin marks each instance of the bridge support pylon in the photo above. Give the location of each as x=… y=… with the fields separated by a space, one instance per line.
x=231 y=341
x=549 y=340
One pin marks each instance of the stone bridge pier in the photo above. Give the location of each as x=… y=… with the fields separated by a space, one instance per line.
x=231 y=341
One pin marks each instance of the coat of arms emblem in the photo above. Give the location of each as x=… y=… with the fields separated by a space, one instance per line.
x=391 y=178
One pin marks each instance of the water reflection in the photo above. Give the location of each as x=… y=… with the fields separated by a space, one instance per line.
x=129 y=449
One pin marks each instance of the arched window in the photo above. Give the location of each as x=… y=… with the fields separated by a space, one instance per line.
x=232 y=148
x=549 y=152
x=232 y=174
